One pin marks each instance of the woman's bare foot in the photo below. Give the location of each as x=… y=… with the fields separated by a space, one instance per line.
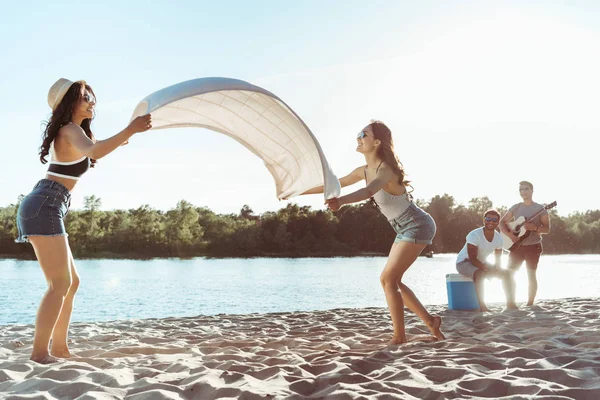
x=423 y=338
x=413 y=338
x=434 y=327
x=396 y=341
x=62 y=353
x=484 y=309
x=47 y=359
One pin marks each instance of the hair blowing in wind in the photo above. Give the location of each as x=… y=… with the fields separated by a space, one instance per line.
x=386 y=150
x=62 y=116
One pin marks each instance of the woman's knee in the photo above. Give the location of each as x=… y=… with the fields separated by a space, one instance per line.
x=390 y=280
x=75 y=281
x=60 y=286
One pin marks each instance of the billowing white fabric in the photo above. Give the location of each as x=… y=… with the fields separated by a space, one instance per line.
x=256 y=118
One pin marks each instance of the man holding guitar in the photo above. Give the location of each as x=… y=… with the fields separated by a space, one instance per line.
x=526 y=236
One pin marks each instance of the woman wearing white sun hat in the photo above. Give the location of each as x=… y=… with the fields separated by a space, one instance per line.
x=73 y=149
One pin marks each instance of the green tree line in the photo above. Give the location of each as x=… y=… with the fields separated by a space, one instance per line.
x=293 y=231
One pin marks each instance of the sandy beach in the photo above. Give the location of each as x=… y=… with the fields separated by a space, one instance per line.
x=550 y=350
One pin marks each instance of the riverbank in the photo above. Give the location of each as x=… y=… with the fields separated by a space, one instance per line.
x=550 y=349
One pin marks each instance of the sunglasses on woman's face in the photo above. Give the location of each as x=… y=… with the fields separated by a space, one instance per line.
x=361 y=135
x=89 y=98
x=491 y=219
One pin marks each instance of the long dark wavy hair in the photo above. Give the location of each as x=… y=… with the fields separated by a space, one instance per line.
x=386 y=152
x=62 y=115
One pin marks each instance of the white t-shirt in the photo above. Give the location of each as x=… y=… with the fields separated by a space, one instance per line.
x=484 y=248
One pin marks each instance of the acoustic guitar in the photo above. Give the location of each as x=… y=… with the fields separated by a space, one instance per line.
x=517 y=227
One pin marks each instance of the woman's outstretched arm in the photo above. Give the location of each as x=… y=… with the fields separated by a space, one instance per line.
x=96 y=150
x=350 y=179
x=383 y=176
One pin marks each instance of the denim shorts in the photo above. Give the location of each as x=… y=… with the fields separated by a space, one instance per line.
x=41 y=212
x=414 y=226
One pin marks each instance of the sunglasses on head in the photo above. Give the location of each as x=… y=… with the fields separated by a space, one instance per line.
x=89 y=98
x=491 y=219
x=361 y=134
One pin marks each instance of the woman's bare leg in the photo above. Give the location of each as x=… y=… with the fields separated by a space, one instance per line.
x=60 y=336
x=433 y=322
x=53 y=255
x=401 y=257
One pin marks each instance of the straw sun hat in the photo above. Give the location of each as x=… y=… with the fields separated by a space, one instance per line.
x=57 y=92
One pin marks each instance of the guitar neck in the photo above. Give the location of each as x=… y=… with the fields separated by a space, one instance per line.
x=536 y=214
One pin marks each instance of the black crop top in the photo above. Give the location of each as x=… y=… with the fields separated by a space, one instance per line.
x=70 y=169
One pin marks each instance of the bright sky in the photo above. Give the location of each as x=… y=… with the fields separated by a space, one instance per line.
x=479 y=95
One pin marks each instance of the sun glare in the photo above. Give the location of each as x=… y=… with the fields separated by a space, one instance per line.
x=113 y=282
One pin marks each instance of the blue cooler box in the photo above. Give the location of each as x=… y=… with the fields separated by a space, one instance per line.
x=461 y=293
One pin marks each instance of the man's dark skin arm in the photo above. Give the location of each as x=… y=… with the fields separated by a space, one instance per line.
x=472 y=250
